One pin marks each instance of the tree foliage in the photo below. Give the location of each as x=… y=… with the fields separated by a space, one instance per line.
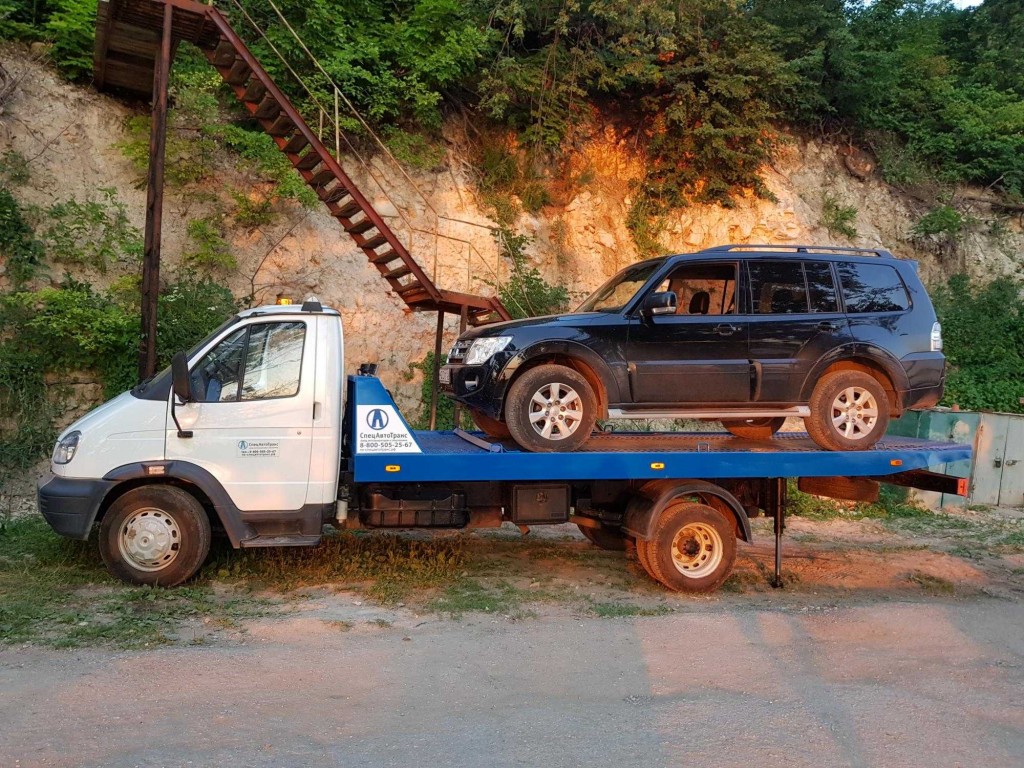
x=983 y=331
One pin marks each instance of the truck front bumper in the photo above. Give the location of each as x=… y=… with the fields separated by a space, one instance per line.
x=70 y=504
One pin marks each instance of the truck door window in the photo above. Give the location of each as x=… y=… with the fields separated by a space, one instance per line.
x=703 y=289
x=216 y=376
x=273 y=362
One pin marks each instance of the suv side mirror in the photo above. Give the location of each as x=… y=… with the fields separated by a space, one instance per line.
x=660 y=303
x=179 y=377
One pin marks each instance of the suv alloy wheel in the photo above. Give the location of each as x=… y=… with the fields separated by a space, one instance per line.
x=551 y=408
x=849 y=411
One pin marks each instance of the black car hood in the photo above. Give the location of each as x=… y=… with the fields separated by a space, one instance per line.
x=502 y=329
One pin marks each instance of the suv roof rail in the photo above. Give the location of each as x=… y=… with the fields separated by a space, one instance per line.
x=879 y=252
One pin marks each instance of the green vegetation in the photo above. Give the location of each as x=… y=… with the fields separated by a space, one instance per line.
x=94 y=233
x=210 y=251
x=983 y=331
x=22 y=252
x=699 y=87
x=838 y=219
x=526 y=293
x=892 y=503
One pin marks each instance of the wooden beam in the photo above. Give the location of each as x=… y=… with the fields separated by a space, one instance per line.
x=155 y=200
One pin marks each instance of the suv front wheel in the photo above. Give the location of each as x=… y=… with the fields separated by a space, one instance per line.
x=849 y=411
x=550 y=408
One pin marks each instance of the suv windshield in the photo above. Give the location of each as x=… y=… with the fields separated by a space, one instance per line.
x=616 y=293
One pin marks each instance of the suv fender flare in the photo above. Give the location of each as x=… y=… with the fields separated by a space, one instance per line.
x=650 y=500
x=563 y=348
x=892 y=367
x=192 y=474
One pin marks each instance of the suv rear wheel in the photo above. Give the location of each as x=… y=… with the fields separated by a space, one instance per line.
x=849 y=411
x=550 y=408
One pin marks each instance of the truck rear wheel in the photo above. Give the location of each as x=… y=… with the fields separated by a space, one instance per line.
x=692 y=548
x=612 y=539
x=551 y=408
x=156 y=534
x=754 y=429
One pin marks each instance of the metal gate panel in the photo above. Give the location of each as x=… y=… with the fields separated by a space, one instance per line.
x=989 y=448
x=1011 y=481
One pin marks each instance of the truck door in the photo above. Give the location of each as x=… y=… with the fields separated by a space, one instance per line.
x=252 y=419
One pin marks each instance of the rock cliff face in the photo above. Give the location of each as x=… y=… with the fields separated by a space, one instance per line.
x=69 y=134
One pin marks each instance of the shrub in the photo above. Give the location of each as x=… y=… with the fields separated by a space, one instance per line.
x=209 y=251
x=22 y=252
x=96 y=233
x=526 y=293
x=838 y=219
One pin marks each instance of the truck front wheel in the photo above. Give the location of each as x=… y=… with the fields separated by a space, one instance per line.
x=692 y=548
x=156 y=534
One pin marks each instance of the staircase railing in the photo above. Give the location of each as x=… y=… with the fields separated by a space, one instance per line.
x=482 y=273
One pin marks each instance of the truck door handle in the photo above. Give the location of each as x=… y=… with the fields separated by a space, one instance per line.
x=725 y=329
x=828 y=325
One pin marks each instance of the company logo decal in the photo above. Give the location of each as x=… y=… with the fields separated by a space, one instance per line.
x=379 y=429
x=377 y=419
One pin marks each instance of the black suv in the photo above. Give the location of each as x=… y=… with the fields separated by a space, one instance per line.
x=744 y=334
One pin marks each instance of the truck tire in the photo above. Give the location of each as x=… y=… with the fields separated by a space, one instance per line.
x=490 y=427
x=754 y=429
x=155 y=534
x=611 y=539
x=643 y=555
x=849 y=411
x=550 y=408
x=692 y=548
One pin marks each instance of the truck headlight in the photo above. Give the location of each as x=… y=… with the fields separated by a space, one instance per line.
x=483 y=349
x=65 y=449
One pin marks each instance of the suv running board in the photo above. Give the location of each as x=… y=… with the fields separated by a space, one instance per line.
x=799 y=411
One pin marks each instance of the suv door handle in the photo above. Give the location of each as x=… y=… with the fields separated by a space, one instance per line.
x=828 y=325
x=725 y=329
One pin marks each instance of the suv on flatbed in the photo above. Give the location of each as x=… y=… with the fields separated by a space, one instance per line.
x=743 y=334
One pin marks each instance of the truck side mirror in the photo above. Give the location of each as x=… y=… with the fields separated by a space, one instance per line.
x=179 y=377
x=660 y=303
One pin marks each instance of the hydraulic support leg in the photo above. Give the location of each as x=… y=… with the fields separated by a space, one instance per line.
x=776 y=507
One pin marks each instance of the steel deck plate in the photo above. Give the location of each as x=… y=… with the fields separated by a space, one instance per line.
x=445 y=457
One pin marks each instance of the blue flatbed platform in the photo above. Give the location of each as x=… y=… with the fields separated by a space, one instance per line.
x=421 y=456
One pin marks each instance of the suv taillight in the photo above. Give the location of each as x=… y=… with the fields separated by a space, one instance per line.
x=936 y=337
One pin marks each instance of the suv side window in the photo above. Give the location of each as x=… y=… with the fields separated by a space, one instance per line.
x=703 y=289
x=791 y=287
x=777 y=287
x=872 y=288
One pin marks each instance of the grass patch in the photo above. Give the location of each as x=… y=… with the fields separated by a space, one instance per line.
x=932 y=584
x=470 y=596
x=892 y=503
x=616 y=610
x=56 y=592
x=385 y=567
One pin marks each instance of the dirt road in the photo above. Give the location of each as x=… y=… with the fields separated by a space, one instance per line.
x=933 y=682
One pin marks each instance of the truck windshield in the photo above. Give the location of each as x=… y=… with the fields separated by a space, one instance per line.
x=140 y=389
x=616 y=293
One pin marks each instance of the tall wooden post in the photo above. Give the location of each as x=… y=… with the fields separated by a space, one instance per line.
x=436 y=372
x=155 y=200
x=463 y=322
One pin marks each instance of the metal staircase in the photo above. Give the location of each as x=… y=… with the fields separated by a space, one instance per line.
x=127 y=46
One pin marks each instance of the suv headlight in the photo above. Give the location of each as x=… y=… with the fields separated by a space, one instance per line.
x=936 y=337
x=66 y=447
x=483 y=349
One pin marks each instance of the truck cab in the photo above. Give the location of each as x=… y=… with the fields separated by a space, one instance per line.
x=254 y=438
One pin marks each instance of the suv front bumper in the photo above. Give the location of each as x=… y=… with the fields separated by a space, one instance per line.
x=479 y=387
x=70 y=504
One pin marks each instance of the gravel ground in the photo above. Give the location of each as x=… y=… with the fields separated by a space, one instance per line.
x=891 y=683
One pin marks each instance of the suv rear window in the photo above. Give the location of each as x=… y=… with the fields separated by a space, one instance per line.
x=791 y=287
x=872 y=288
